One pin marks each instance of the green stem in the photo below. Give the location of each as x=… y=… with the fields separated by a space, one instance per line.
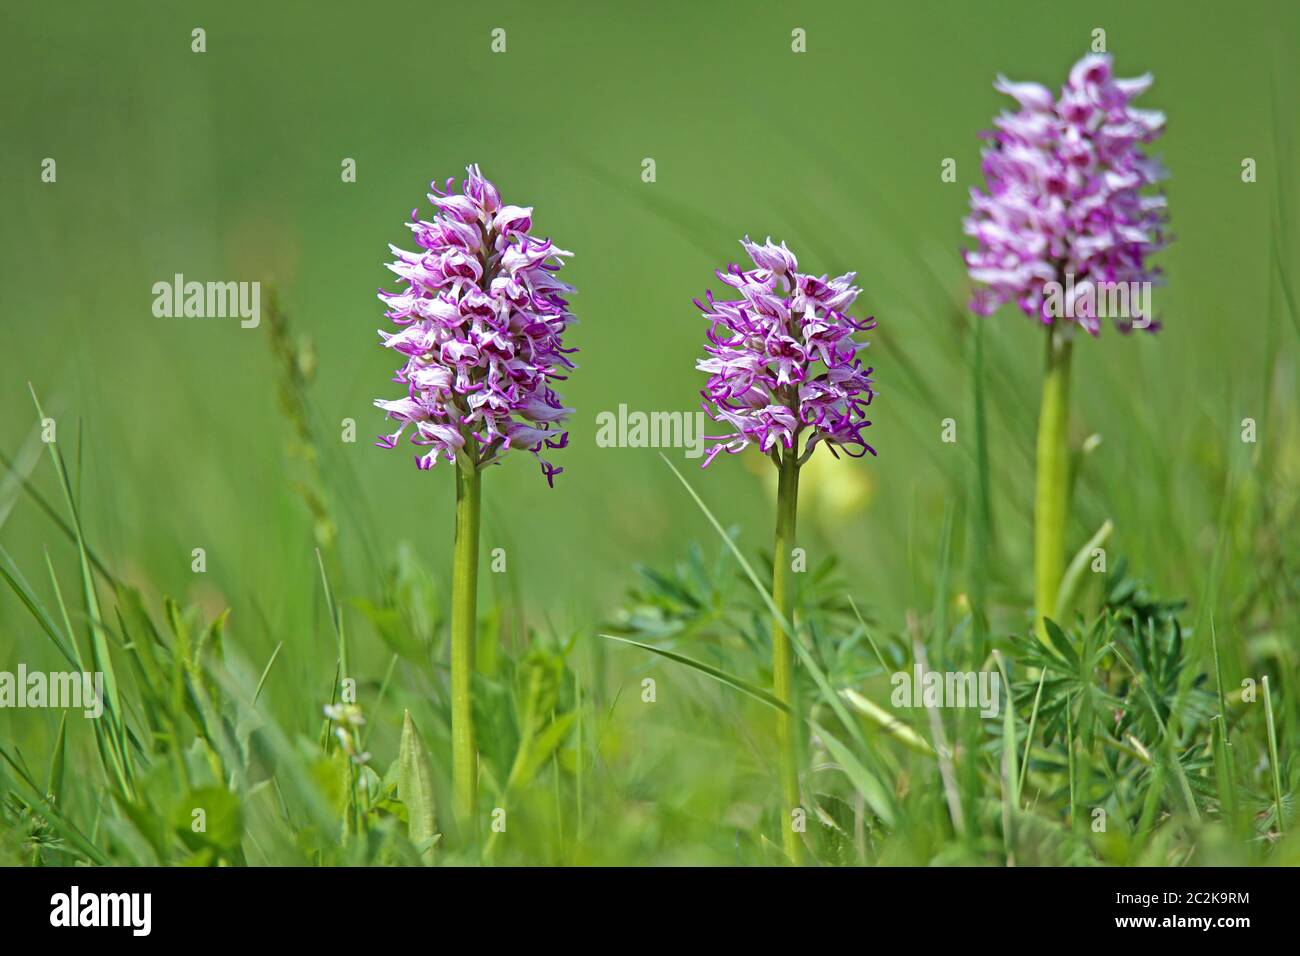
x=464 y=618
x=787 y=506
x=1053 y=479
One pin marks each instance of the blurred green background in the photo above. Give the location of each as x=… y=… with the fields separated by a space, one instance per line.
x=225 y=165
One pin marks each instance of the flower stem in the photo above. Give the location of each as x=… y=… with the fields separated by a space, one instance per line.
x=464 y=618
x=1053 y=479
x=787 y=506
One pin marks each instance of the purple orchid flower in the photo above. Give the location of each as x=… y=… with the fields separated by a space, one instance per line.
x=782 y=359
x=1064 y=201
x=482 y=317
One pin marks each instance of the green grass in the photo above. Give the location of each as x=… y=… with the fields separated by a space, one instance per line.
x=1102 y=719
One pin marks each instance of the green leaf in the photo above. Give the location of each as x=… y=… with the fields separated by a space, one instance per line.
x=1072 y=581
x=866 y=783
x=540 y=748
x=415 y=784
x=1059 y=642
x=222 y=819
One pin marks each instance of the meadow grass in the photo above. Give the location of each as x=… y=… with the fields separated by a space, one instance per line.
x=1120 y=715
x=1127 y=736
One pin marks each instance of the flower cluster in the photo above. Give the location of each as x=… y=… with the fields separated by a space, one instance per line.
x=782 y=358
x=482 y=314
x=1063 y=201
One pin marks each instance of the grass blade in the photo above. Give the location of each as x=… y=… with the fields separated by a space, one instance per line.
x=1272 y=754
x=1029 y=734
x=1072 y=580
x=872 y=790
x=708 y=670
x=101 y=658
